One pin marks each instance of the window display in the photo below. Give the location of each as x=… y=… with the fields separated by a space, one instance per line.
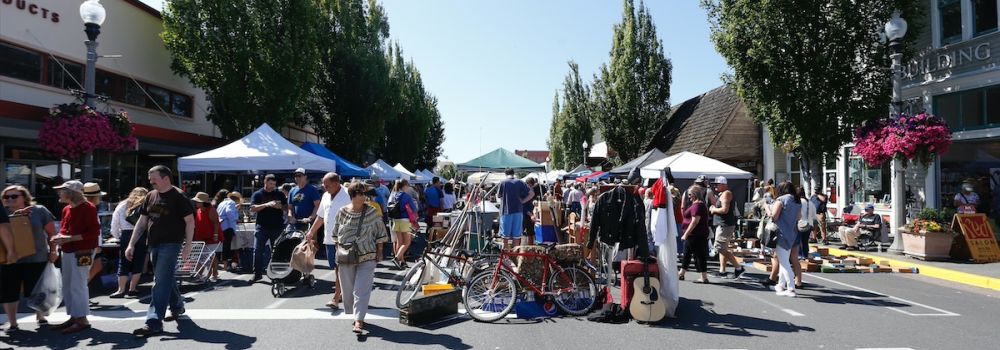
x=974 y=163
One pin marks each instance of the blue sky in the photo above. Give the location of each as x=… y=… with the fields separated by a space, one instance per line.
x=495 y=65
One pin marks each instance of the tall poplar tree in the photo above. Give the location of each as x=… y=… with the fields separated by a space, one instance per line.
x=255 y=59
x=632 y=91
x=574 y=118
x=555 y=147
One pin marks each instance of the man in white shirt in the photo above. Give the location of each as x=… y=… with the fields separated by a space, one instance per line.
x=573 y=199
x=334 y=198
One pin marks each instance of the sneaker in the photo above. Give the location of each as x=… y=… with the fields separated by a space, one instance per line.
x=117 y=295
x=146 y=332
x=719 y=274
x=779 y=289
x=213 y=279
x=787 y=293
x=174 y=315
x=738 y=273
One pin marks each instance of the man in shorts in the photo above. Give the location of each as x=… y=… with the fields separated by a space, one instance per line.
x=512 y=195
x=724 y=219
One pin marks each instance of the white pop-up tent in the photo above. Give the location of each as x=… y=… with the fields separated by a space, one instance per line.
x=687 y=165
x=385 y=171
x=262 y=149
x=416 y=178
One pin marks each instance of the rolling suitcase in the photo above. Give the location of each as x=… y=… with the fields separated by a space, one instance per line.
x=630 y=269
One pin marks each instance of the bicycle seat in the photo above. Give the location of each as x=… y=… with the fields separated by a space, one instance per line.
x=548 y=246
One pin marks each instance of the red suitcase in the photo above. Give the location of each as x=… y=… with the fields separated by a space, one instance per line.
x=630 y=270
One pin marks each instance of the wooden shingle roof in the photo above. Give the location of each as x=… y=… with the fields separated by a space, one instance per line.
x=714 y=124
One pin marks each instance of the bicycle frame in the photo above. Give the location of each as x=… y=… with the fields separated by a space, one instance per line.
x=550 y=264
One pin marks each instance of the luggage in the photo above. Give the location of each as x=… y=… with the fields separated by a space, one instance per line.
x=571 y=253
x=630 y=270
x=545 y=234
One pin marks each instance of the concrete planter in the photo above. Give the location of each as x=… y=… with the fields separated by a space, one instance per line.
x=927 y=245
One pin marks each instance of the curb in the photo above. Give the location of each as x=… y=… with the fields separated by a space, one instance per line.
x=931 y=271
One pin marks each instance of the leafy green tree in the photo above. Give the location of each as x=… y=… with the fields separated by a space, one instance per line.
x=255 y=59
x=632 y=91
x=448 y=172
x=555 y=147
x=352 y=91
x=811 y=71
x=427 y=158
x=574 y=118
x=409 y=118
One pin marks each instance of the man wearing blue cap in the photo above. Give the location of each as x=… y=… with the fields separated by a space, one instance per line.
x=869 y=223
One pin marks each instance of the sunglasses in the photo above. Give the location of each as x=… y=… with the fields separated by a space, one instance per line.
x=12 y=196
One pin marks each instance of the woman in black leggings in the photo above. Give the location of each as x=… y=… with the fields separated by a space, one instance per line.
x=695 y=234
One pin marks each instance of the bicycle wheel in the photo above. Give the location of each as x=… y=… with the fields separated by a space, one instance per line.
x=579 y=291
x=410 y=284
x=485 y=302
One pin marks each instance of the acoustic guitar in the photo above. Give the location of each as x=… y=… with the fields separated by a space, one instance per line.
x=646 y=305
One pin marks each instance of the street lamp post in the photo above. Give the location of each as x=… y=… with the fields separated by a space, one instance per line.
x=895 y=30
x=93 y=15
x=584 y=153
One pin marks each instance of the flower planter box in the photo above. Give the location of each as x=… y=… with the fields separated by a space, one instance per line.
x=927 y=245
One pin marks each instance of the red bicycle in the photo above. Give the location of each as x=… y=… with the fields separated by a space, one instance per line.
x=491 y=295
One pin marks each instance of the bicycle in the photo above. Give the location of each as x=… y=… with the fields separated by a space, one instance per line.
x=465 y=264
x=491 y=295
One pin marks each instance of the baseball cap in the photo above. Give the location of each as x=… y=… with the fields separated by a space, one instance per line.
x=72 y=185
x=299 y=171
x=869 y=206
x=720 y=180
x=701 y=178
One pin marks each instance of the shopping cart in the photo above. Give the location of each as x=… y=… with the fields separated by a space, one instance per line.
x=196 y=267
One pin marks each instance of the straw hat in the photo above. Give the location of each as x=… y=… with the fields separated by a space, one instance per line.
x=92 y=189
x=202 y=197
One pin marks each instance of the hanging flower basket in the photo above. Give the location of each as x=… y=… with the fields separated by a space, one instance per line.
x=73 y=129
x=916 y=139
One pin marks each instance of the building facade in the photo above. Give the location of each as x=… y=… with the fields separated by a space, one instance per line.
x=42 y=58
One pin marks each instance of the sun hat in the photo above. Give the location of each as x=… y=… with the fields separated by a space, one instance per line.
x=93 y=189
x=72 y=185
x=201 y=197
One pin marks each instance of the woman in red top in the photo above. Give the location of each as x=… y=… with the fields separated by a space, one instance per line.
x=78 y=236
x=207 y=228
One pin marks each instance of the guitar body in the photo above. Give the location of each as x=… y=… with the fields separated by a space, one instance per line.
x=646 y=304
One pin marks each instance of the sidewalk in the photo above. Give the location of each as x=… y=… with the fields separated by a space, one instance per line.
x=977 y=275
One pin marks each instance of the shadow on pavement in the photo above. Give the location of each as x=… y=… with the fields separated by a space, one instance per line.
x=57 y=341
x=697 y=316
x=412 y=338
x=189 y=330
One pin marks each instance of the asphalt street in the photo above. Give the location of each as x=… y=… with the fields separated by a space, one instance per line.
x=834 y=311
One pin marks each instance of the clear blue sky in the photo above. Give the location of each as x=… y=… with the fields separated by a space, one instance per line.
x=495 y=65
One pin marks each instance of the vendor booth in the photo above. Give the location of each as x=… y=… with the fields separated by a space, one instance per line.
x=416 y=178
x=646 y=159
x=687 y=166
x=386 y=172
x=261 y=150
x=498 y=160
x=344 y=168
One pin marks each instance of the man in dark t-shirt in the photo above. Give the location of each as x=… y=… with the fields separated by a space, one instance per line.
x=166 y=222
x=303 y=201
x=269 y=204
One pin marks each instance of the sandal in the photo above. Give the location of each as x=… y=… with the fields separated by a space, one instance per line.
x=357 y=329
x=681 y=277
x=333 y=305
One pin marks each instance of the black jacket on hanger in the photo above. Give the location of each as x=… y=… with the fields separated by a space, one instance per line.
x=619 y=217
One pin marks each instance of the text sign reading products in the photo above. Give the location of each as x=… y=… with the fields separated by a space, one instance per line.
x=33 y=9
x=978 y=236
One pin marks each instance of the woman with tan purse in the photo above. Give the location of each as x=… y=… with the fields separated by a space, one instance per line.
x=360 y=235
x=19 y=278
x=78 y=238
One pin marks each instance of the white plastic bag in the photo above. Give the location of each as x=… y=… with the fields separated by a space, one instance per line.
x=48 y=292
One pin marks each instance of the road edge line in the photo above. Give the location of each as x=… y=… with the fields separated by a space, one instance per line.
x=930 y=271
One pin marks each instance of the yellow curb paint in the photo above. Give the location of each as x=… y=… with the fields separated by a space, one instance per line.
x=931 y=271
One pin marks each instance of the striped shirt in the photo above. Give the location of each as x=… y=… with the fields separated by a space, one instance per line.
x=367 y=239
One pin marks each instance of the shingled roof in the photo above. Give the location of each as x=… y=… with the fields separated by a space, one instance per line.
x=699 y=125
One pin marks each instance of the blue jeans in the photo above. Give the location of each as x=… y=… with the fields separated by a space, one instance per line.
x=331 y=255
x=262 y=254
x=165 y=291
x=804 y=244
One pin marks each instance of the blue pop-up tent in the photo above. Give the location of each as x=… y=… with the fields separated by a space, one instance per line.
x=344 y=168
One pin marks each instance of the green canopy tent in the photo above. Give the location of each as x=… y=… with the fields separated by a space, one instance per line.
x=498 y=160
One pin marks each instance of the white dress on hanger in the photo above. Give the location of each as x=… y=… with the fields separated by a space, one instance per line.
x=663 y=225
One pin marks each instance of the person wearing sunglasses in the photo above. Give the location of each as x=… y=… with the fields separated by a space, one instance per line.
x=19 y=278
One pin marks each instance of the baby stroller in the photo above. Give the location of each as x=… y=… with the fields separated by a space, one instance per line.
x=280 y=270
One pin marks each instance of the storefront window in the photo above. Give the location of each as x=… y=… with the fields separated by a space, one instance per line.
x=970 y=109
x=66 y=76
x=21 y=64
x=977 y=162
x=951 y=21
x=866 y=185
x=160 y=98
x=984 y=16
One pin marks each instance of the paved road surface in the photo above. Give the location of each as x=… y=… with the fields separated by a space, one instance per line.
x=835 y=311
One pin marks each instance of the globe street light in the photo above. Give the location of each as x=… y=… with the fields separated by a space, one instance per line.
x=93 y=16
x=895 y=30
x=584 y=153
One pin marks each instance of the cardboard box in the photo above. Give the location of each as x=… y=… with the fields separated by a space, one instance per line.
x=809 y=266
x=437 y=233
x=547 y=213
x=865 y=261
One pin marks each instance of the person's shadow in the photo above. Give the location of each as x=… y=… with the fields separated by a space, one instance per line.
x=412 y=337
x=698 y=316
x=187 y=329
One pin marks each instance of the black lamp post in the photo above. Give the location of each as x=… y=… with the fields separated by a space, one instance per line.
x=93 y=15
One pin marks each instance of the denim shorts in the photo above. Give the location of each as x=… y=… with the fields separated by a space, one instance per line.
x=511 y=225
